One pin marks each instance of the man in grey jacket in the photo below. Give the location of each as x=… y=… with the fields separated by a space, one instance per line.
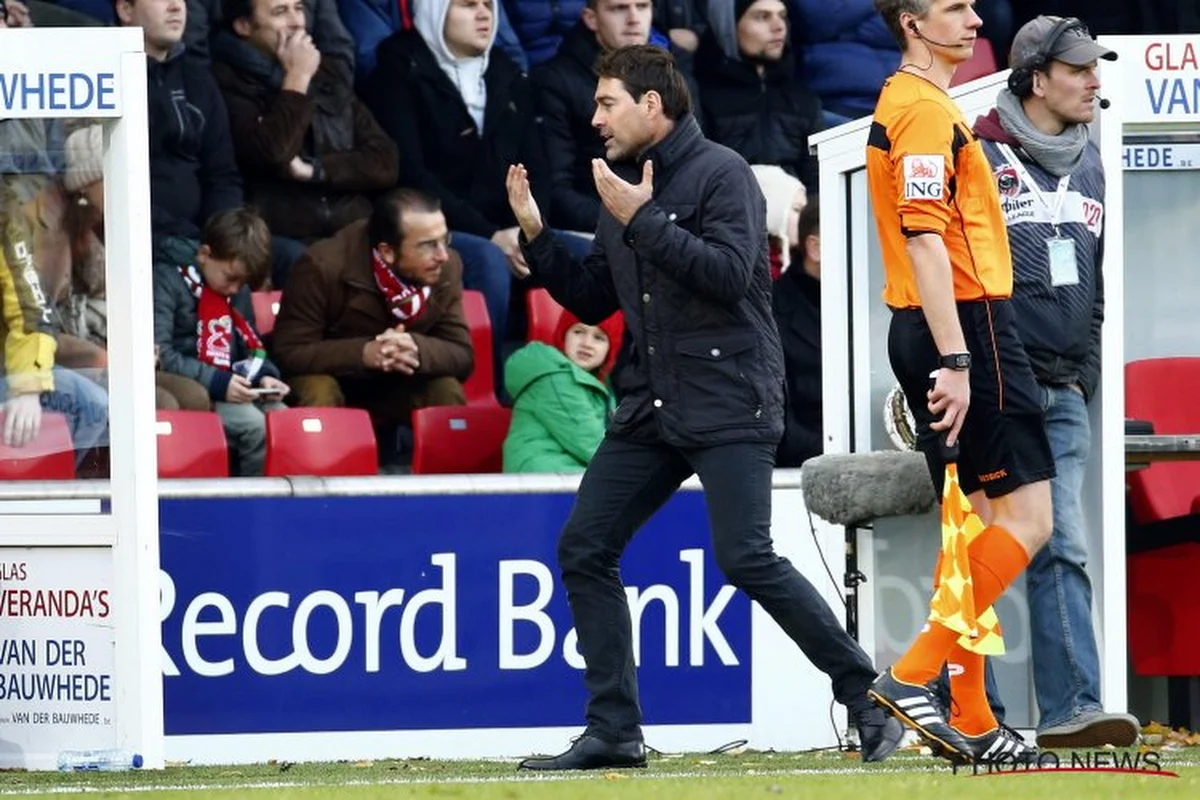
x=1051 y=185
x=681 y=250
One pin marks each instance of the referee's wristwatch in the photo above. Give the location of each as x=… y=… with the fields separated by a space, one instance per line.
x=958 y=361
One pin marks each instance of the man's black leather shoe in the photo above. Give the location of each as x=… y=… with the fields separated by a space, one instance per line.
x=879 y=733
x=588 y=752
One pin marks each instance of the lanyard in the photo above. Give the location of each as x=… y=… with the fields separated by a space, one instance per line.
x=1060 y=194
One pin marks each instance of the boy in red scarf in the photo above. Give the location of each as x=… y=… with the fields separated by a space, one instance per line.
x=204 y=325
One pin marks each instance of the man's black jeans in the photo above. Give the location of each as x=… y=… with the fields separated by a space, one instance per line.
x=624 y=485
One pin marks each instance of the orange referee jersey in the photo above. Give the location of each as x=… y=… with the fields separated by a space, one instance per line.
x=927 y=173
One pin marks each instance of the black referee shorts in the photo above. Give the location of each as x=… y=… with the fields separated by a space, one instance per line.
x=1003 y=444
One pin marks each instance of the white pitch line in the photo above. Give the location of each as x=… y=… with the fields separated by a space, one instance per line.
x=518 y=778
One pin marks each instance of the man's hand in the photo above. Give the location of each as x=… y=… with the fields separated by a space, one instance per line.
x=372 y=355
x=239 y=391
x=299 y=58
x=520 y=198
x=269 y=382
x=508 y=240
x=17 y=15
x=684 y=39
x=949 y=398
x=300 y=170
x=622 y=199
x=400 y=351
x=22 y=419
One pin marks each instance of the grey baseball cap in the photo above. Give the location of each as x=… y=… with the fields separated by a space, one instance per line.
x=1075 y=46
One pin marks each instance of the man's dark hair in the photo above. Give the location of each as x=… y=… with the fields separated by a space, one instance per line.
x=236 y=9
x=239 y=234
x=810 y=222
x=891 y=10
x=386 y=224
x=648 y=68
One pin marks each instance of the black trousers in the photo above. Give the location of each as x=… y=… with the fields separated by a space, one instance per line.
x=625 y=483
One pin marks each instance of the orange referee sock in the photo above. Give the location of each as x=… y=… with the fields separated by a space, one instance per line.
x=970 y=712
x=996 y=560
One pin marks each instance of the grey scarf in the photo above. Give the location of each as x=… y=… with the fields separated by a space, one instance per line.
x=1059 y=155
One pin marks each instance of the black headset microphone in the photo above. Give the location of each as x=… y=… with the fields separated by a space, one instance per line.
x=912 y=26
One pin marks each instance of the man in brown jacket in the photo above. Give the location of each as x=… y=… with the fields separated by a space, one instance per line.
x=372 y=318
x=311 y=154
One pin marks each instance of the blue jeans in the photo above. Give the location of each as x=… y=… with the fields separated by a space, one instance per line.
x=83 y=402
x=285 y=253
x=1066 y=665
x=246 y=431
x=485 y=269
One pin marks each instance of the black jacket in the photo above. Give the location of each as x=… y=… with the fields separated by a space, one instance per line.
x=767 y=118
x=566 y=91
x=1060 y=326
x=441 y=152
x=701 y=362
x=796 y=305
x=193 y=173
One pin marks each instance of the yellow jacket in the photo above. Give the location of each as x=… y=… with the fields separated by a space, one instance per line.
x=26 y=322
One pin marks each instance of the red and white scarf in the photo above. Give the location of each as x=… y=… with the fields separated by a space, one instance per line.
x=406 y=301
x=217 y=321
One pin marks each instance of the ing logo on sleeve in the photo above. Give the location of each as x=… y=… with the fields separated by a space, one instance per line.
x=924 y=177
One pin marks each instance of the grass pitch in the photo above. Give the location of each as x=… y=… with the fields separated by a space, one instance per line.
x=741 y=776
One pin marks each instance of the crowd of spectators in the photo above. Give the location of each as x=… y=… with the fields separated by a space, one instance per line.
x=351 y=154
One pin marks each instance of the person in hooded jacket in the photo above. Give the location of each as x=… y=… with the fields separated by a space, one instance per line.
x=561 y=398
x=193 y=171
x=753 y=102
x=461 y=112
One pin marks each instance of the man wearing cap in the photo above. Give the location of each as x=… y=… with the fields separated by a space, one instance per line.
x=1051 y=185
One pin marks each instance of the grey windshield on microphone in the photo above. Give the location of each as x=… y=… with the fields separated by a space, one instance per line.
x=1103 y=103
x=856 y=488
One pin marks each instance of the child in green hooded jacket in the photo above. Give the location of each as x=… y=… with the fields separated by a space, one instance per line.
x=561 y=397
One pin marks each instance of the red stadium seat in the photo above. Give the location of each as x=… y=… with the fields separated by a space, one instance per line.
x=480 y=387
x=191 y=444
x=459 y=439
x=266 y=308
x=320 y=441
x=543 y=312
x=1164 y=391
x=49 y=457
x=1162 y=612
